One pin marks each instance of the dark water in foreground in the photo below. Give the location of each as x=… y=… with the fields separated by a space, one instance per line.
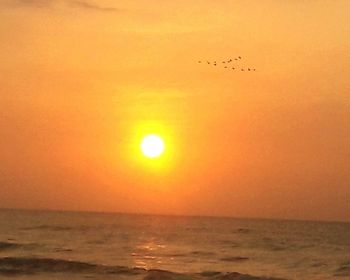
x=61 y=245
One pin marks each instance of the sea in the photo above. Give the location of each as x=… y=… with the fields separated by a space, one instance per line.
x=84 y=245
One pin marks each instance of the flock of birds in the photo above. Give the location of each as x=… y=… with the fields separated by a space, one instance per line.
x=228 y=64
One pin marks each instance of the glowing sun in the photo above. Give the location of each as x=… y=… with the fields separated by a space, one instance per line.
x=152 y=146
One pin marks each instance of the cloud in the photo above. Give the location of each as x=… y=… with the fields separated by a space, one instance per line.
x=31 y=3
x=51 y=3
x=90 y=6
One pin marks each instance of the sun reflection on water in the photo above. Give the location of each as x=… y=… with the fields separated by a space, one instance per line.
x=148 y=255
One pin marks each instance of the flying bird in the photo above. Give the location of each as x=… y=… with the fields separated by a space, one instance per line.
x=226 y=66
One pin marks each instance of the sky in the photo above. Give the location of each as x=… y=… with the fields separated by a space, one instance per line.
x=83 y=81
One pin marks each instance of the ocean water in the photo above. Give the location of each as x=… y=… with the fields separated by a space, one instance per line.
x=75 y=245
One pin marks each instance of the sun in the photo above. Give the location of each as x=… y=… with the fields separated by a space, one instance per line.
x=152 y=146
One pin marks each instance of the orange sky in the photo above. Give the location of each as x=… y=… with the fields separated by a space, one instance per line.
x=80 y=80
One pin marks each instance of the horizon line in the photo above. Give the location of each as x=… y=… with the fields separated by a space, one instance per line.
x=174 y=215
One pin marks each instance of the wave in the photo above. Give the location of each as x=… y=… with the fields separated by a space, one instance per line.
x=155 y=274
x=202 y=253
x=343 y=270
x=25 y=265
x=234 y=259
x=48 y=227
x=243 y=230
x=8 y=245
x=59 y=228
x=4 y=246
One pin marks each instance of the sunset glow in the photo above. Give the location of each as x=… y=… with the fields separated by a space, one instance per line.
x=220 y=108
x=185 y=137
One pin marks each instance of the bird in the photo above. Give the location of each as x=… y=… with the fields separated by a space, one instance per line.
x=226 y=62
